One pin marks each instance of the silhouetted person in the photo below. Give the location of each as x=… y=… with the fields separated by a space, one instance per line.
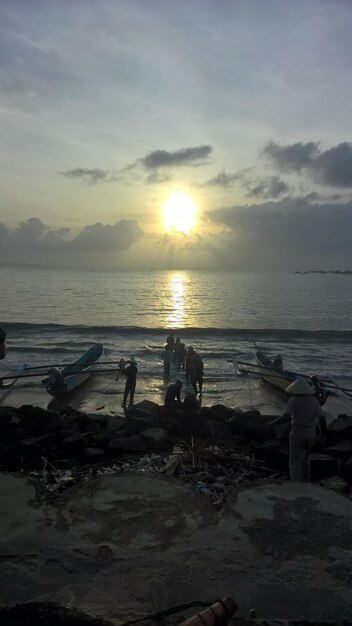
x=2 y=343
x=173 y=392
x=189 y=355
x=197 y=373
x=170 y=341
x=307 y=421
x=167 y=357
x=180 y=353
x=278 y=364
x=131 y=378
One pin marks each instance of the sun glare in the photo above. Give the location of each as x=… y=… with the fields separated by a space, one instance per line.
x=179 y=213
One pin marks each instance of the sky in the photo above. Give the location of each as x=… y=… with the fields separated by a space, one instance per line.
x=244 y=106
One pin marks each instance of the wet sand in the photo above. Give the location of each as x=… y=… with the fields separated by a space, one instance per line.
x=102 y=392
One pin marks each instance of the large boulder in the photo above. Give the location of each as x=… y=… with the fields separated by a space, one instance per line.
x=323 y=466
x=190 y=403
x=38 y=421
x=156 y=440
x=134 y=443
x=142 y=415
x=217 y=413
x=342 y=451
x=340 y=429
x=249 y=424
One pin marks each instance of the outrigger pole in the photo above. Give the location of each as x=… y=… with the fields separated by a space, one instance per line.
x=264 y=370
x=49 y=365
x=38 y=374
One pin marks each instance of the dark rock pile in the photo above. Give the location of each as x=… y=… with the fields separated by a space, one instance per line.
x=30 y=436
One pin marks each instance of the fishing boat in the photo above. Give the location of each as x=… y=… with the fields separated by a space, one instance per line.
x=62 y=381
x=278 y=380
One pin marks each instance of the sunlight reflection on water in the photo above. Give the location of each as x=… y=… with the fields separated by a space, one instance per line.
x=177 y=295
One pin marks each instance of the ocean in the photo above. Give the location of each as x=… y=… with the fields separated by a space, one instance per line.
x=52 y=316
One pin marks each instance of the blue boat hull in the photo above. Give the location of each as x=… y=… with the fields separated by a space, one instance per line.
x=61 y=382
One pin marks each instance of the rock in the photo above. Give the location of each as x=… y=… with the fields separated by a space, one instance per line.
x=266 y=451
x=341 y=450
x=101 y=420
x=93 y=455
x=217 y=413
x=146 y=407
x=45 y=613
x=190 y=403
x=346 y=471
x=340 y=429
x=323 y=466
x=217 y=432
x=25 y=452
x=155 y=440
x=102 y=438
x=250 y=424
x=134 y=424
x=65 y=464
x=142 y=415
x=336 y=483
x=76 y=444
x=38 y=421
x=134 y=443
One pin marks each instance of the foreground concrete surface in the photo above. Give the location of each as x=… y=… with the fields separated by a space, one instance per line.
x=127 y=545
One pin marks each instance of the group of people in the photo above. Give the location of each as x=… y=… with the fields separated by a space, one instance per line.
x=187 y=359
x=302 y=410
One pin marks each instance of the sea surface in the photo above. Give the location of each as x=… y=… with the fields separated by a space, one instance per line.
x=53 y=316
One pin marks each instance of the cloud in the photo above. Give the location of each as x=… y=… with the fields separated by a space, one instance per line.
x=34 y=236
x=331 y=167
x=254 y=185
x=291 y=158
x=223 y=180
x=185 y=156
x=107 y=238
x=286 y=233
x=266 y=187
x=92 y=176
x=151 y=163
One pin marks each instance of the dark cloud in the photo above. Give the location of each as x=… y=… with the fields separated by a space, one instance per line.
x=287 y=232
x=91 y=176
x=107 y=238
x=334 y=166
x=328 y=167
x=266 y=187
x=34 y=236
x=254 y=185
x=223 y=180
x=185 y=156
x=291 y=158
x=158 y=177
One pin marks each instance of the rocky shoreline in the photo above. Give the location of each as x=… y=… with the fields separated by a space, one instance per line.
x=213 y=447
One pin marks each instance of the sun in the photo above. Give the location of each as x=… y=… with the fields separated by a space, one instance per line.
x=179 y=213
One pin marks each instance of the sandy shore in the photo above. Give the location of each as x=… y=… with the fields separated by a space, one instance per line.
x=103 y=393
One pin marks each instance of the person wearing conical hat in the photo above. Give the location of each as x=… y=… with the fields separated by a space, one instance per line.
x=307 y=420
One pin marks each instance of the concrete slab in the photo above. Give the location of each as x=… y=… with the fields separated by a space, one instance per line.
x=125 y=545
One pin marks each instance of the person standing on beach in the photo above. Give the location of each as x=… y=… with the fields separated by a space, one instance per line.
x=307 y=423
x=2 y=343
x=167 y=357
x=197 y=373
x=189 y=356
x=131 y=379
x=170 y=341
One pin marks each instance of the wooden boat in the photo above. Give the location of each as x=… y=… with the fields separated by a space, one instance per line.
x=62 y=381
x=281 y=380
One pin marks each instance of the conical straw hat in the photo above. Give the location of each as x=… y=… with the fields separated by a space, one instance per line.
x=300 y=388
